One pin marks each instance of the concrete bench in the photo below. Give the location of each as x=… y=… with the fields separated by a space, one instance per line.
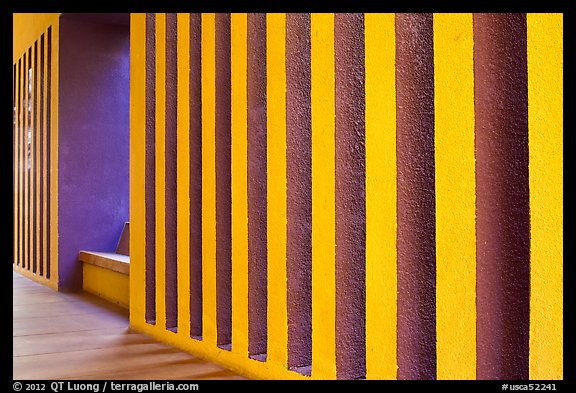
x=107 y=274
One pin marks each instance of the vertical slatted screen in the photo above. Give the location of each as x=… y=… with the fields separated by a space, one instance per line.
x=345 y=195
x=32 y=95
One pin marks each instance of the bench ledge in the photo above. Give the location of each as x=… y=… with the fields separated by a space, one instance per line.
x=108 y=260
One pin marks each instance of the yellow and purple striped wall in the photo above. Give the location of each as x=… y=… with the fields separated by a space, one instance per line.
x=35 y=147
x=350 y=195
x=71 y=142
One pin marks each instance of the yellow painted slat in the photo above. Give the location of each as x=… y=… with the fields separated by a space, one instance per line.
x=455 y=196
x=160 y=170
x=276 y=171
x=239 y=26
x=208 y=180
x=44 y=206
x=53 y=235
x=32 y=171
x=38 y=176
x=15 y=166
x=37 y=173
x=381 y=274
x=137 y=168
x=183 y=174
x=545 y=133
x=20 y=165
x=25 y=123
x=323 y=189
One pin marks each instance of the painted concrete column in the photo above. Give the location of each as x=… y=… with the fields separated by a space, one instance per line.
x=502 y=196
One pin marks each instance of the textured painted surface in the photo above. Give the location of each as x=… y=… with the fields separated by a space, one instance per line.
x=298 y=190
x=52 y=77
x=239 y=153
x=27 y=28
x=107 y=284
x=42 y=156
x=25 y=158
x=94 y=141
x=35 y=56
x=15 y=164
x=257 y=236
x=420 y=120
x=195 y=183
x=139 y=285
x=323 y=186
x=35 y=170
x=381 y=288
x=415 y=197
x=455 y=196
x=208 y=53
x=150 y=167
x=171 y=188
x=223 y=182
x=160 y=177
x=276 y=96
x=183 y=175
x=350 y=173
x=545 y=140
x=502 y=196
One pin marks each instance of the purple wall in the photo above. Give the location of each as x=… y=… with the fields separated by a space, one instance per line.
x=94 y=138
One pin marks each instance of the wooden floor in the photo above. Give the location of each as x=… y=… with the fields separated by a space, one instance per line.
x=79 y=336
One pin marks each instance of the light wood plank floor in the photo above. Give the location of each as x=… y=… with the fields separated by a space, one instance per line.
x=79 y=336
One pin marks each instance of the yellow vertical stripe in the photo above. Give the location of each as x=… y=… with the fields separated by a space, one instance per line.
x=183 y=174
x=455 y=196
x=38 y=176
x=33 y=128
x=137 y=168
x=239 y=26
x=323 y=188
x=208 y=179
x=15 y=163
x=15 y=166
x=53 y=236
x=381 y=275
x=25 y=147
x=545 y=133
x=160 y=170
x=276 y=109
x=30 y=133
x=20 y=166
x=43 y=175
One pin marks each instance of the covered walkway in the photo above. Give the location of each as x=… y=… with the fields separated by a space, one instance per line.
x=78 y=336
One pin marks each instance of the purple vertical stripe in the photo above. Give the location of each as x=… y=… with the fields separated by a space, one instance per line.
x=33 y=170
x=223 y=183
x=150 y=168
x=170 y=170
x=195 y=176
x=42 y=175
x=416 y=237
x=48 y=144
x=298 y=190
x=257 y=238
x=502 y=196
x=350 y=197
